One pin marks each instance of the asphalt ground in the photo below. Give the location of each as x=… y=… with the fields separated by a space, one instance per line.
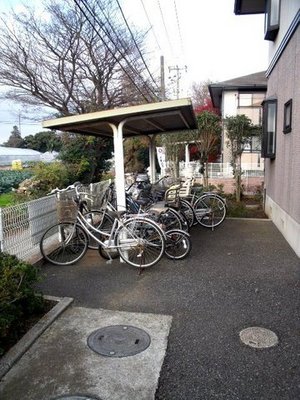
x=243 y=274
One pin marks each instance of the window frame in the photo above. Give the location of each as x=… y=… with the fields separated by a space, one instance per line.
x=241 y=99
x=287 y=116
x=271 y=31
x=265 y=150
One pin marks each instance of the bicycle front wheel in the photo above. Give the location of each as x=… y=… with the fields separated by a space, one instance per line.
x=178 y=244
x=210 y=210
x=140 y=242
x=64 y=243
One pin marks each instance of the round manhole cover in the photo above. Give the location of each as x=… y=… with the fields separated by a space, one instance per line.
x=119 y=341
x=259 y=338
x=76 y=397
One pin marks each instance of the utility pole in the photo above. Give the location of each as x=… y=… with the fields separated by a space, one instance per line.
x=19 y=117
x=162 y=79
x=177 y=76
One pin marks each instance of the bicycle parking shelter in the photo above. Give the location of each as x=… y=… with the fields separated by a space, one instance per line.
x=141 y=120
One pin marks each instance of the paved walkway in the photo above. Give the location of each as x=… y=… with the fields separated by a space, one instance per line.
x=242 y=275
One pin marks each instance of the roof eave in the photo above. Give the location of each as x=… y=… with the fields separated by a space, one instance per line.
x=216 y=91
x=246 y=7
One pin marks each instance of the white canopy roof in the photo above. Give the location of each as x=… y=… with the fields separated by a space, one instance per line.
x=145 y=119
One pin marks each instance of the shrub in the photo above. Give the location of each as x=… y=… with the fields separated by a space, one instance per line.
x=18 y=299
x=236 y=209
x=50 y=176
x=11 y=179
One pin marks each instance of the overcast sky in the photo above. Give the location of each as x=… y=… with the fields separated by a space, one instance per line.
x=205 y=39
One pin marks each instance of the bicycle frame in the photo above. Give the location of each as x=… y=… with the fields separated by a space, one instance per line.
x=109 y=244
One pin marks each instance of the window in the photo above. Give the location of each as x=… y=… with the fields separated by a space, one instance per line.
x=254 y=145
x=287 y=117
x=250 y=99
x=245 y=99
x=269 y=128
x=272 y=19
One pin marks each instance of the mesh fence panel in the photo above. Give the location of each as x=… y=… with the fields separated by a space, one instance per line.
x=22 y=225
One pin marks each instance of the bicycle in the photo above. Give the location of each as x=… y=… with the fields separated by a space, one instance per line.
x=178 y=242
x=206 y=208
x=100 y=219
x=139 y=241
x=151 y=199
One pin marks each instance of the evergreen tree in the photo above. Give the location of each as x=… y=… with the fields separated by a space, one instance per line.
x=43 y=141
x=15 y=139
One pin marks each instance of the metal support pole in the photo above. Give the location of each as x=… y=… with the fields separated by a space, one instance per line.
x=152 y=158
x=187 y=155
x=162 y=79
x=119 y=170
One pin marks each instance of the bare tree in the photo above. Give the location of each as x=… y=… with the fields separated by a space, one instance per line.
x=72 y=59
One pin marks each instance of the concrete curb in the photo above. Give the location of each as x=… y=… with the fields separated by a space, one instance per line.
x=250 y=219
x=17 y=351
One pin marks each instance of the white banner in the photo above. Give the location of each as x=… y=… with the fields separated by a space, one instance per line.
x=161 y=157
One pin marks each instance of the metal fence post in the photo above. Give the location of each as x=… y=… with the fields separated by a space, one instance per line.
x=1 y=230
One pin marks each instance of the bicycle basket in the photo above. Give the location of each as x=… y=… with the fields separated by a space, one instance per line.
x=66 y=208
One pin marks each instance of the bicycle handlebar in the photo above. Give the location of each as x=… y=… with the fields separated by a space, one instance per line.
x=70 y=187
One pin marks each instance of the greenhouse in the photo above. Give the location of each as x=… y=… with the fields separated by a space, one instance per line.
x=9 y=155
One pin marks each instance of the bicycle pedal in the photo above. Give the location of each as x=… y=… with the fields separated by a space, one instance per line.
x=108 y=262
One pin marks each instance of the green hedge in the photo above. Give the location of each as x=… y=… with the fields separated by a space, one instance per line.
x=18 y=298
x=11 y=179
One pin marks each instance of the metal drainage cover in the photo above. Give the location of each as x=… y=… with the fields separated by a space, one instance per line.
x=119 y=341
x=259 y=338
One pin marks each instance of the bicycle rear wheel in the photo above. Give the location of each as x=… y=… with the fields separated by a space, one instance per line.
x=64 y=243
x=170 y=219
x=140 y=242
x=101 y=221
x=178 y=244
x=210 y=210
x=188 y=211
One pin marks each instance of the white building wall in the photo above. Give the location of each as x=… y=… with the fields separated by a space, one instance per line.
x=229 y=108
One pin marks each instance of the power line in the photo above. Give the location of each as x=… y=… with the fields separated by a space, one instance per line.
x=164 y=23
x=113 y=42
x=113 y=29
x=136 y=45
x=178 y=25
x=16 y=122
x=151 y=26
x=107 y=47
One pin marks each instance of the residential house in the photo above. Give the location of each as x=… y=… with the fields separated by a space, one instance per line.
x=281 y=113
x=243 y=95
